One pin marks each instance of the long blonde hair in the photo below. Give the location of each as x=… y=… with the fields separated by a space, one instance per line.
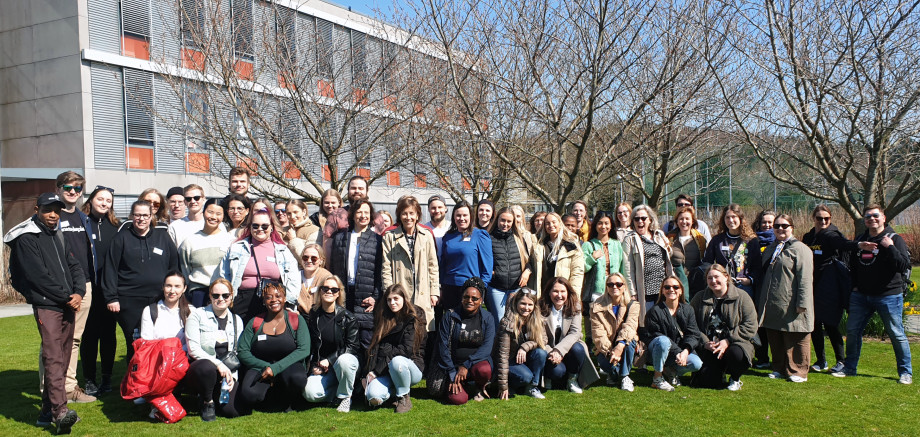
x=563 y=235
x=533 y=323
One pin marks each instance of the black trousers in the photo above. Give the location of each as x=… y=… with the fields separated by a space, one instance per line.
x=712 y=374
x=247 y=304
x=129 y=318
x=817 y=339
x=99 y=339
x=204 y=378
x=253 y=390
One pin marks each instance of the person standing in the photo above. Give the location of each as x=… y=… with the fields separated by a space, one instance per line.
x=510 y=255
x=75 y=228
x=44 y=270
x=485 y=210
x=187 y=226
x=878 y=282
x=648 y=255
x=580 y=212
x=437 y=209
x=558 y=254
x=201 y=253
x=175 y=198
x=339 y=219
x=466 y=252
x=683 y=201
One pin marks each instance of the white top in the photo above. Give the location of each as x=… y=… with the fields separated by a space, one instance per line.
x=183 y=228
x=200 y=256
x=168 y=324
x=352 y=256
x=438 y=233
x=557 y=319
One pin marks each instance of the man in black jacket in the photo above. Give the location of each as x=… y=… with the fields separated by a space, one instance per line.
x=45 y=271
x=878 y=286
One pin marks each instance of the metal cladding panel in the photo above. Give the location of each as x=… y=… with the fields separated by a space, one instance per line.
x=135 y=16
x=170 y=142
x=306 y=43
x=104 y=25
x=138 y=104
x=165 y=32
x=108 y=117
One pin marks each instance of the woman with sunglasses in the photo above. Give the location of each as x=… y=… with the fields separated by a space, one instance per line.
x=394 y=359
x=302 y=231
x=136 y=264
x=728 y=322
x=786 y=302
x=312 y=276
x=522 y=345
x=257 y=258
x=734 y=248
x=355 y=257
x=158 y=206
x=213 y=334
x=272 y=349
x=614 y=325
x=567 y=361
x=334 y=347
x=648 y=255
x=201 y=253
x=558 y=255
x=672 y=336
x=99 y=335
x=831 y=285
x=467 y=335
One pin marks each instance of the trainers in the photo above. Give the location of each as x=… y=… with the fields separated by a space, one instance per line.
x=79 y=396
x=627 y=384
x=208 y=413
x=906 y=379
x=64 y=423
x=819 y=367
x=762 y=365
x=91 y=388
x=139 y=401
x=796 y=378
x=404 y=404
x=670 y=375
x=775 y=375
x=837 y=367
x=44 y=419
x=661 y=384
x=344 y=405
x=572 y=384
x=535 y=392
x=842 y=373
x=106 y=385
x=611 y=380
x=734 y=385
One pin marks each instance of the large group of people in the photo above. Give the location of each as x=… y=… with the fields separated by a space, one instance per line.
x=276 y=308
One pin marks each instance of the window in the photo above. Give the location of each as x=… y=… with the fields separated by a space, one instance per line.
x=326 y=88
x=196 y=162
x=324 y=47
x=389 y=65
x=359 y=59
x=393 y=178
x=290 y=170
x=191 y=23
x=243 y=69
x=466 y=185
x=421 y=180
x=364 y=173
x=192 y=59
x=327 y=173
x=249 y=164
x=241 y=23
x=139 y=123
x=135 y=24
x=140 y=158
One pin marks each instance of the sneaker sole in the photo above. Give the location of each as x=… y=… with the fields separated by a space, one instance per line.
x=65 y=426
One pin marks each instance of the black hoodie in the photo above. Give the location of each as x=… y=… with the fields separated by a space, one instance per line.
x=827 y=244
x=137 y=265
x=879 y=273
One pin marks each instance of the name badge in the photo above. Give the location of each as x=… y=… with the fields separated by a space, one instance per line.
x=467 y=239
x=270 y=259
x=95 y=237
x=262 y=337
x=463 y=326
x=157 y=251
x=65 y=224
x=724 y=247
x=221 y=336
x=819 y=252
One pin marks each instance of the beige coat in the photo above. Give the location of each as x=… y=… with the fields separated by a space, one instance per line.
x=636 y=261
x=307 y=296
x=307 y=233
x=570 y=264
x=571 y=334
x=787 y=285
x=608 y=329
x=422 y=278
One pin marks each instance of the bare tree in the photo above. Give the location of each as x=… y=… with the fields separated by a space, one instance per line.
x=825 y=93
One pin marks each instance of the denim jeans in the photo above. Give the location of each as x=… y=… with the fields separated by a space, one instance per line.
x=340 y=378
x=625 y=364
x=403 y=375
x=890 y=309
x=497 y=300
x=571 y=363
x=528 y=373
x=659 y=350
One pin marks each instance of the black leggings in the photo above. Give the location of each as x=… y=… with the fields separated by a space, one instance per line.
x=204 y=378
x=817 y=338
x=98 y=338
x=712 y=373
x=253 y=390
x=129 y=318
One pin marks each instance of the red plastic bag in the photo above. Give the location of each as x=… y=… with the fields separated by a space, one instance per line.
x=169 y=410
x=155 y=370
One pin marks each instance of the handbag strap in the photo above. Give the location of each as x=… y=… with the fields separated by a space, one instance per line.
x=255 y=259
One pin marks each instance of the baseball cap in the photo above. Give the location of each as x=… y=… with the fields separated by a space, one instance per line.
x=49 y=199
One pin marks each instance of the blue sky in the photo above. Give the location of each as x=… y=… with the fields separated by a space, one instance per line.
x=367 y=6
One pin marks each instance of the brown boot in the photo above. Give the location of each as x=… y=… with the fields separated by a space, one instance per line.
x=403 y=404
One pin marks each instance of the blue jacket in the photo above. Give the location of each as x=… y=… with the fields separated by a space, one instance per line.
x=231 y=268
x=462 y=258
x=450 y=335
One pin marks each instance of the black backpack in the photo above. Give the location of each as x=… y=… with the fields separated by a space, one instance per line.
x=905 y=274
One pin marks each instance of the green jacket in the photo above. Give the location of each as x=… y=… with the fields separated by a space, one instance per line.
x=595 y=276
x=301 y=338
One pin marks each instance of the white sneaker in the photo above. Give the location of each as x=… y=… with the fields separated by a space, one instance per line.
x=627 y=384
x=661 y=384
x=573 y=384
x=734 y=385
x=796 y=378
x=906 y=379
x=535 y=392
x=775 y=375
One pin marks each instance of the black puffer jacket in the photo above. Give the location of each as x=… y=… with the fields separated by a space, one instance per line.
x=506 y=261
x=346 y=336
x=681 y=328
x=367 y=277
x=400 y=341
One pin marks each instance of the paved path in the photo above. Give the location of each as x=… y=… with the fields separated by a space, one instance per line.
x=22 y=309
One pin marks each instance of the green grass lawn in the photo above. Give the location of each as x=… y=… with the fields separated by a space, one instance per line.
x=871 y=403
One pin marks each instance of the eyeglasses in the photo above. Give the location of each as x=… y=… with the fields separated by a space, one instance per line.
x=218 y=296
x=782 y=225
x=871 y=215
x=263 y=226
x=681 y=205
x=142 y=216
x=615 y=285
x=236 y=208
x=312 y=259
x=329 y=290
x=191 y=198
x=75 y=188
x=640 y=219
x=471 y=298
x=100 y=187
x=670 y=287
x=823 y=219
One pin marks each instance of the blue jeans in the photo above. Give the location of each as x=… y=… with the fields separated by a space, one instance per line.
x=403 y=375
x=341 y=379
x=625 y=364
x=659 y=350
x=497 y=300
x=890 y=309
x=571 y=363
x=528 y=373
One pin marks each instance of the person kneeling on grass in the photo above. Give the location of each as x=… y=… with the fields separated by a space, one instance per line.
x=672 y=336
x=333 y=347
x=614 y=321
x=395 y=355
x=522 y=339
x=568 y=356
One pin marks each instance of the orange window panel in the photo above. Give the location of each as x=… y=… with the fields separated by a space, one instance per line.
x=248 y=164
x=243 y=69
x=290 y=170
x=135 y=46
x=197 y=162
x=327 y=174
x=466 y=184
x=364 y=173
x=140 y=158
x=325 y=89
x=360 y=96
x=393 y=178
x=390 y=103
x=484 y=183
x=192 y=59
x=421 y=180
x=283 y=82
x=445 y=183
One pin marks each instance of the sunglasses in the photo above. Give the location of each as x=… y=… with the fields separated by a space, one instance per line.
x=280 y=211
x=681 y=205
x=263 y=226
x=191 y=198
x=640 y=219
x=218 y=296
x=873 y=215
x=670 y=287
x=782 y=225
x=312 y=259
x=823 y=219
x=100 y=187
x=155 y=204
x=529 y=291
x=615 y=285
x=471 y=298
x=329 y=290
x=74 y=188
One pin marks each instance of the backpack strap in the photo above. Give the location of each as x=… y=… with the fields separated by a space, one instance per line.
x=154 y=312
x=257 y=322
x=293 y=320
